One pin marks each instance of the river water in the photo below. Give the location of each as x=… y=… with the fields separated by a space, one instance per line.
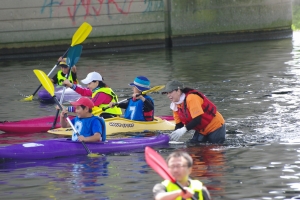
x=255 y=86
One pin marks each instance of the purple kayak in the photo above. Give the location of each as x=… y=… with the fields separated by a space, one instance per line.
x=70 y=94
x=45 y=149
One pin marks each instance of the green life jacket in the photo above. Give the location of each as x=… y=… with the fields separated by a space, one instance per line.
x=114 y=110
x=61 y=78
x=195 y=185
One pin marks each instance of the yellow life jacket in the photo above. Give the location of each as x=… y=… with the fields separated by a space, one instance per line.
x=114 y=110
x=195 y=185
x=61 y=78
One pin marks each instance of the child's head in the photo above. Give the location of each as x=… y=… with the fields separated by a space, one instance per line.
x=140 y=83
x=83 y=106
x=64 y=67
x=93 y=80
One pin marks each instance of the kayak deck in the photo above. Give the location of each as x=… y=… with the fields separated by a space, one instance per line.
x=39 y=124
x=53 y=148
x=69 y=95
x=122 y=125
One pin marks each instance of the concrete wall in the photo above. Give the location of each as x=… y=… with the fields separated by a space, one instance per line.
x=26 y=26
x=199 y=17
x=296 y=14
x=34 y=23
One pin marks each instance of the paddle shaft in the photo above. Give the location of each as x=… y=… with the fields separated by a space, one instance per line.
x=153 y=89
x=63 y=93
x=72 y=58
x=103 y=109
x=181 y=187
x=69 y=121
x=61 y=100
x=50 y=72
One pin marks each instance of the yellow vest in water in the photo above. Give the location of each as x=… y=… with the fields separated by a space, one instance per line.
x=195 y=185
x=114 y=110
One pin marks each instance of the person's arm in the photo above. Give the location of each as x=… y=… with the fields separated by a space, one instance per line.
x=194 y=105
x=54 y=79
x=63 y=121
x=82 y=91
x=205 y=194
x=148 y=105
x=178 y=123
x=95 y=132
x=94 y=138
x=123 y=105
x=74 y=76
x=192 y=124
x=74 y=70
x=101 y=98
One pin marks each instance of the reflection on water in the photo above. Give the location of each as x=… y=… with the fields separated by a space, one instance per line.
x=255 y=86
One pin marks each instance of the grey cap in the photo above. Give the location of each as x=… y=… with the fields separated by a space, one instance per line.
x=172 y=85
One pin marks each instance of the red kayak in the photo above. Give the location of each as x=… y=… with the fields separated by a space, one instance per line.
x=39 y=125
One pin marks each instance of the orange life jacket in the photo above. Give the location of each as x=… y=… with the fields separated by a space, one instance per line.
x=208 y=107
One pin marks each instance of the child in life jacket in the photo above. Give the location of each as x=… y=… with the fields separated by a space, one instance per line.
x=139 y=107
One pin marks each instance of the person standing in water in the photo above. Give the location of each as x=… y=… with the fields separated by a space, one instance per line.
x=192 y=110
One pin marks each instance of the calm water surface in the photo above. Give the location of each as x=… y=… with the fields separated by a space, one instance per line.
x=255 y=86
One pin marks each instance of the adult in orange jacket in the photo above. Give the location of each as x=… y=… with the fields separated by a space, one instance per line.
x=192 y=110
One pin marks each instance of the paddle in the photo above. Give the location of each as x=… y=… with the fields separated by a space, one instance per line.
x=79 y=36
x=158 y=164
x=48 y=85
x=72 y=58
x=98 y=111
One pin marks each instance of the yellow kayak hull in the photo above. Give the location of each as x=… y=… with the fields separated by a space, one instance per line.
x=122 y=125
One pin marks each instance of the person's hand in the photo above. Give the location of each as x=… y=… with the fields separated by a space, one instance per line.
x=63 y=112
x=188 y=193
x=61 y=59
x=81 y=138
x=67 y=83
x=175 y=135
x=112 y=104
x=74 y=69
x=138 y=96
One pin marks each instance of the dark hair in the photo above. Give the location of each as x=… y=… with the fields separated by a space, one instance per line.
x=186 y=90
x=83 y=107
x=101 y=84
x=178 y=154
x=64 y=66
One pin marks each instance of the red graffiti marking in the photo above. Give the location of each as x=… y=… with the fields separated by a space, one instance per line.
x=91 y=8
x=72 y=13
x=97 y=12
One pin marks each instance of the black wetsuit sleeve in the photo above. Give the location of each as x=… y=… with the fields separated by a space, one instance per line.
x=148 y=105
x=192 y=124
x=179 y=125
x=74 y=76
x=55 y=80
x=123 y=105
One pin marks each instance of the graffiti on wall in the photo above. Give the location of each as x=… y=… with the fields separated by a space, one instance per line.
x=94 y=8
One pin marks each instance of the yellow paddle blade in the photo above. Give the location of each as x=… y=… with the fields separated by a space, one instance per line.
x=154 y=89
x=45 y=81
x=81 y=34
x=29 y=98
x=96 y=111
x=93 y=155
